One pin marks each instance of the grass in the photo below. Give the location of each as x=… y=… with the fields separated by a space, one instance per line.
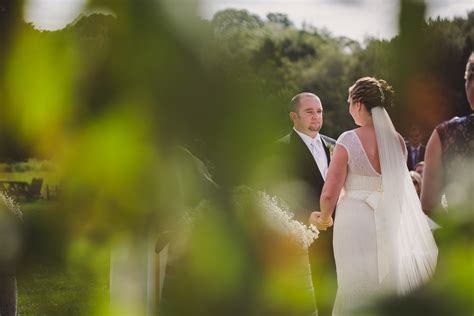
x=26 y=171
x=50 y=288
x=49 y=178
x=49 y=283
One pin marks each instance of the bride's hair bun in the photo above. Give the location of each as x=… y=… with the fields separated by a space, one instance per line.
x=372 y=93
x=388 y=92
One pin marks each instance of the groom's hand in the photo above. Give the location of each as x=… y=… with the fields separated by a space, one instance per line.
x=324 y=223
x=315 y=219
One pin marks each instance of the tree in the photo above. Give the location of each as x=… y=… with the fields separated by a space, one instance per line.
x=280 y=19
x=230 y=19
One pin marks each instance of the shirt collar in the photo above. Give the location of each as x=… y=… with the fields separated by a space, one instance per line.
x=307 y=139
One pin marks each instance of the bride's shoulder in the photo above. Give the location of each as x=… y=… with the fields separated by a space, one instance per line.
x=347 y=139
x=351 y=131
x=346 y=134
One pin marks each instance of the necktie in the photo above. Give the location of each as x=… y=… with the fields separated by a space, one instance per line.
x=320 y=156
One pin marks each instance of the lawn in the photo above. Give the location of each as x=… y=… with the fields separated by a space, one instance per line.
x=49 y=178
x=50 y=288
x=49 y=283
x=26 y=171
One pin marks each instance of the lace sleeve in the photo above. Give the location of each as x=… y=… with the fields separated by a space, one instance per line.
x=344 y=142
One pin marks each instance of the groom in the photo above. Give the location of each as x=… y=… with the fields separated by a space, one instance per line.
x=306 y=156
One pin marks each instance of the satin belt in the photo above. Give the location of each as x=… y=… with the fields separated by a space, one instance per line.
x=374 y=199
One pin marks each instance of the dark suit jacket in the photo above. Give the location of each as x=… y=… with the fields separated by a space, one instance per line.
x=300 y=181
x=421 y=156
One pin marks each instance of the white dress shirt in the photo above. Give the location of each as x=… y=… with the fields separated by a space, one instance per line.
x=316 y=147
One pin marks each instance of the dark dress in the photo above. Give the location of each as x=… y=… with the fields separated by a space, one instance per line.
x=457 y=145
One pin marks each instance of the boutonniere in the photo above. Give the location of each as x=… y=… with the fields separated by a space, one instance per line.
x=330 y=147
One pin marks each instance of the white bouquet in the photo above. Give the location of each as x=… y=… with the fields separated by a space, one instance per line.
x=276 y=215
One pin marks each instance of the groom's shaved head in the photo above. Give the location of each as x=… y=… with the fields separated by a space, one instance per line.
x=295 y=102
x=306 y=112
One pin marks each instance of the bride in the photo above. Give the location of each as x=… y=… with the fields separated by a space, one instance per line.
x=382 y=240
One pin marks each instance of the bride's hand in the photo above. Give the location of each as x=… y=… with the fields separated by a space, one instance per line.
x=319 y=222
x=325 y=222
x=315 y=219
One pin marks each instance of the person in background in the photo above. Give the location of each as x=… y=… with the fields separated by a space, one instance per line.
x=416 y=178
x=420 y=167
x=416 y=151
x=449 y=149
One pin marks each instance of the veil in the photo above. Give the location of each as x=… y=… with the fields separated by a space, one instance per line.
x=406 y=250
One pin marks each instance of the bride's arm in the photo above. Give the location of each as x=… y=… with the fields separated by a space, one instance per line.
x=335 y=179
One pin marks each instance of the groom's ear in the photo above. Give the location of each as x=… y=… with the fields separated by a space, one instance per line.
x=293 y=116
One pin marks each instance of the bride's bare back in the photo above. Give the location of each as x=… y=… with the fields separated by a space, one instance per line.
x=368 y=140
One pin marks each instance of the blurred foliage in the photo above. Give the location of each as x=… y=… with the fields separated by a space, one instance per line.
x=32 y=165
x=130 y=106
x=48 y=286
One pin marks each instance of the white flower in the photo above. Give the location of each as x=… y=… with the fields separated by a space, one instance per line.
x=275 y=214
x=330 y=147
x=11 y=205
x=279 y=216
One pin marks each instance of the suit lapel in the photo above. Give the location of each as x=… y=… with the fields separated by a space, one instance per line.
x=326 y=149
x=303 y=150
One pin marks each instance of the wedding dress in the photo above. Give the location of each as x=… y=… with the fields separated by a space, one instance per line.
x=382 y=241
x=132 y=276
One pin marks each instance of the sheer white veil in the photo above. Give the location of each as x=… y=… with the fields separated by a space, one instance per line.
x=407 y=252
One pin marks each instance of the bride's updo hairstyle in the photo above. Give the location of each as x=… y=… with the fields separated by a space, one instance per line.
x=372 y=92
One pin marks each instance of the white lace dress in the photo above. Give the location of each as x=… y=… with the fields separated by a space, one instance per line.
x=354 y=239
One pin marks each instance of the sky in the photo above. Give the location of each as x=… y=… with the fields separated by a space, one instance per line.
x=356 y=19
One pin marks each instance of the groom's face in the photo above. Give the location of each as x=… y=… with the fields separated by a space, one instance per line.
x=308 y=118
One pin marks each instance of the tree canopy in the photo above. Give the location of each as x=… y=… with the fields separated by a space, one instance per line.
x=281 y=60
